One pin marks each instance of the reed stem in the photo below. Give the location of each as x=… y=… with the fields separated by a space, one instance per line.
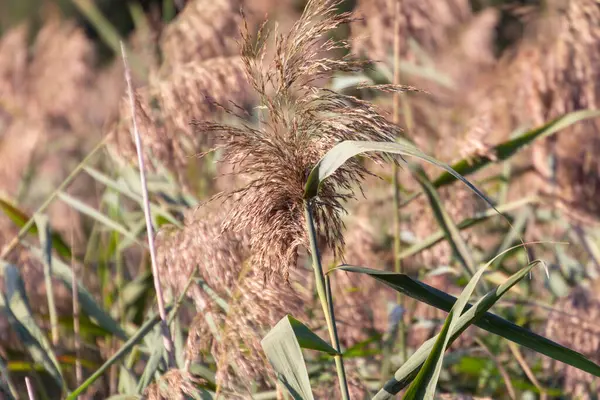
x=324 y=293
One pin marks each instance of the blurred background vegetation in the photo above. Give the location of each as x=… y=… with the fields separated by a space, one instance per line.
x=490 y=72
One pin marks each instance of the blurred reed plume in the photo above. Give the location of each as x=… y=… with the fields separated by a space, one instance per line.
x=567 y=53
x=205 y=29
x=429 y=23
x=574 y=324
x=167 y=105
x=298 y=123
x=552 y=71
x=61 y=69
x=173 y=385
x=40 y=90
x=220 y=261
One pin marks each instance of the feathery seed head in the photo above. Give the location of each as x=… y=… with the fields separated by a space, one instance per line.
x=299 y=123
x=220 y=259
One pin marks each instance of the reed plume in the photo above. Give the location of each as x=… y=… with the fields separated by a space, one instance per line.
x=168 y=104
x=298 y=123
x=429 y=23
x=205 y=29
x=220 y=259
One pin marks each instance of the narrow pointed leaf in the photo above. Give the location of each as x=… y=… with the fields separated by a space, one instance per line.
x=43 y=225
x=342 y=152
x=425 y=384
x=20 y=218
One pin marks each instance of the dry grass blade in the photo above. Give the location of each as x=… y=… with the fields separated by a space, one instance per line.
x=168 y=341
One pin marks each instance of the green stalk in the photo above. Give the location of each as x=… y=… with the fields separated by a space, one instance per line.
x=401 y=335
x=325 y=299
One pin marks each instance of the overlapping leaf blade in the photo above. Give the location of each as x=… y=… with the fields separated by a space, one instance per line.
x=488 y=321
x=283 y=347
x=16 y=307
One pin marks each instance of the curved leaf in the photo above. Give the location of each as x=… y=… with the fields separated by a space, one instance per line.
x=283 y=347
x=342 y=152
x=425 y=383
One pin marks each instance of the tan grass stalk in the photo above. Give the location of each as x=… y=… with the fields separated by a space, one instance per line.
x=166 y=333
x=395 y=177
x=324 y=293
x=30 y=389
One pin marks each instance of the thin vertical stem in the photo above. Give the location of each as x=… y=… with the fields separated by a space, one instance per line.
x=30 y=390
x=166 y=333
x=325 y=299
x=76 y=327
x=396 y=184
x=46 y=243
